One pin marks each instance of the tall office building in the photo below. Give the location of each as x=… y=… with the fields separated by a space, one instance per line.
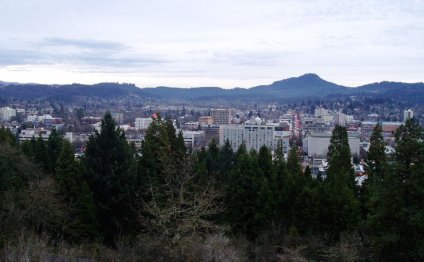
x=118 y=117
x=6 y=113
x=320 y=112
x=340 y=119
x=408 y=114
x=221 y=116
x=253 y=136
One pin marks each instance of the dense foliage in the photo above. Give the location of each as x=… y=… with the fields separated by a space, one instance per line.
x=163 y=203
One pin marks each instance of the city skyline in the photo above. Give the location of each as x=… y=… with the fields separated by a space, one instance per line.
x=203 y=43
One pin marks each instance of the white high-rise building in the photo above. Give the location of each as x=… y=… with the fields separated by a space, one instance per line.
x=143 y=123
x=118 y=117
x=6 y=113
x=320 y=112
x=408 y=114
x=253 y=136
x=340 y=119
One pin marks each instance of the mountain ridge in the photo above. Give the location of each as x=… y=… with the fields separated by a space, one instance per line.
x=309 y=85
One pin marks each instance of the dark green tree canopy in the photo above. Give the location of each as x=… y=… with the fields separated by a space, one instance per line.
x=107 y=164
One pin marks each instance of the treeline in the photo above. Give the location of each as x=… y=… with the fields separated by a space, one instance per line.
x=164 y=203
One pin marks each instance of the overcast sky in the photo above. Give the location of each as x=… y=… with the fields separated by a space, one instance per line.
x=227 y=43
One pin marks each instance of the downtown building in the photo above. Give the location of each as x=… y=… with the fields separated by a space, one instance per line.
x=408 y=114
x=6 y=113
x=221 y=116
x=316 y=144
x=143 y=123
x=253 y=136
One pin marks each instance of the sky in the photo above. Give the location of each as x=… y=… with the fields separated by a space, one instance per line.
x=225 y=43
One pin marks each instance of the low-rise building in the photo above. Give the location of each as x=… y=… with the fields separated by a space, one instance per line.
x=205 y=121
x=28 y=134
x=191 y=126
x=194 y=139
x=316 y=144
x=390 y=127
x=143 y=123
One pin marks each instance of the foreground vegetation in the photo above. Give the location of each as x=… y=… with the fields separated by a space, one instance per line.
x=163 y=204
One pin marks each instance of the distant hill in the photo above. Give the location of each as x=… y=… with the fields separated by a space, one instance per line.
x=305 y=86
x=68 y=92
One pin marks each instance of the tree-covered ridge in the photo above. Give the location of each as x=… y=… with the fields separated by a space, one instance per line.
x=302 y=87
x=164 y=203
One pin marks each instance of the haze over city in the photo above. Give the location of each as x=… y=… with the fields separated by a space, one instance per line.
x=210 y=43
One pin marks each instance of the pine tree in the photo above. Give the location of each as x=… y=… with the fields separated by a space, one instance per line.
x=27 y=147
x=339 y=210
x=265 y=163
x=338 y=155
x=280 y=188
x=293 y=162
x=41 y=155
x=76 y=193
x=376 y=158
x=376 y=168
x=7 y=137
x=396 y=221
x=163 y=154
x=307 y=172
x=226 y=161
x=154 y=147
x=108 y=162
x=54 y=144
x=247 y=196
x=212 y=160
x=201 y=166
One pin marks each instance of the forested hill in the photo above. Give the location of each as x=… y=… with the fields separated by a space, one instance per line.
x=305 y=86
x=67 y=92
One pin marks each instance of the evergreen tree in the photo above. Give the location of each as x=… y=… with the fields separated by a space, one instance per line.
x=265 y=163
x=154 y=148
x=163 y=154
x=201 y=166
x=293 y=162
x=339 y=206
x=41 y=155
x=396 y=221
x=7 y=137
x=280 y=187
x=226 y=161
x=212 y=160
x=107 y=163
x=247 y=196
x=338 y=155
x=307 y=172
x=54 y=144
x=376 y=158
x=295 y=198
x=28 y=147
x=76 y=193
x=376 y=167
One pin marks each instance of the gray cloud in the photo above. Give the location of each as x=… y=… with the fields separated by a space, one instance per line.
x=83 y=43
x=84 y=53
x=247 y=58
